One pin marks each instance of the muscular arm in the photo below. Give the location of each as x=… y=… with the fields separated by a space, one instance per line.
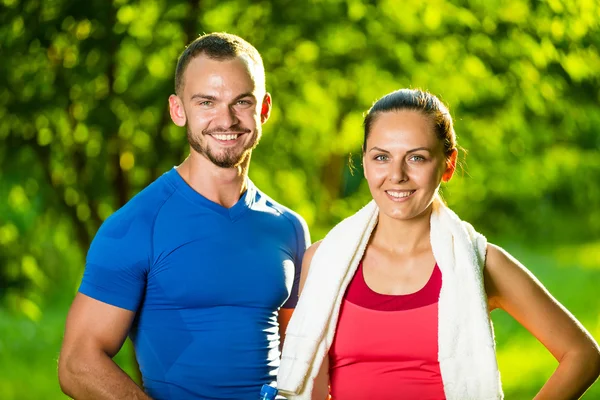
x=94 y=333
x=511 y=287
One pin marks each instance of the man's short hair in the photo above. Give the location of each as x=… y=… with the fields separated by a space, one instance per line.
x=219 y=46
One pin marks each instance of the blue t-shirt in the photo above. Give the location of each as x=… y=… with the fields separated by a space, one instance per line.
x=206 y=283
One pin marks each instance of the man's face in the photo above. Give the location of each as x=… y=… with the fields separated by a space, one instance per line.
x=223 y=109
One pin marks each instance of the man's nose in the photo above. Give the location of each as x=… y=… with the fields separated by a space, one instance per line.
x=226 y=117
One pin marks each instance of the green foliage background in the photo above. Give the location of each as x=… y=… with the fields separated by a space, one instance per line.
x=84 y=126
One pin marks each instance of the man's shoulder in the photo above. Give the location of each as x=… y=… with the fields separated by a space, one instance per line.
x=142 y=208
x=286 y=213
x=279 y=208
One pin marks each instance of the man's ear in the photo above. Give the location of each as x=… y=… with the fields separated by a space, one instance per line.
x=265 y=109
x=177 y=111
x=450 y=166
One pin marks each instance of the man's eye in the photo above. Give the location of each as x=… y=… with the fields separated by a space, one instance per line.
x=206 y=103
x=244 y=102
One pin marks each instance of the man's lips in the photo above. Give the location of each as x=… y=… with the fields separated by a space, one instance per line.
x=226 y=136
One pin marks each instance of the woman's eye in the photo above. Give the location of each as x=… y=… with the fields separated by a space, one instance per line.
x=416 y=158
x=381 y=157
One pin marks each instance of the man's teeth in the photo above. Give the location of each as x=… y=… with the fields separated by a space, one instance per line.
x=225 y=137
x=400 y=194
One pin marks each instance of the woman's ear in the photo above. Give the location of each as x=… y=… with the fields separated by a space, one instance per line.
x=450 y=166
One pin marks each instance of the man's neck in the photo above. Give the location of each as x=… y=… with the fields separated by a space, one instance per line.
x=223 y=186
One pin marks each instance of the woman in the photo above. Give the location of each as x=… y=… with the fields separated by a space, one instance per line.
x=396 y=299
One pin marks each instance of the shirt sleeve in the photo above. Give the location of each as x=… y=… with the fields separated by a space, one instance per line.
x=118 y=261
x=302 y=243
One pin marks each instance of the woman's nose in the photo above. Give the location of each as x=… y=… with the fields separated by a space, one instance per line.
x=398 y=172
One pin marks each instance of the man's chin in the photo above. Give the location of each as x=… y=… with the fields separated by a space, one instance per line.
x=225 y=164
x=223 y=158
x=229 y=162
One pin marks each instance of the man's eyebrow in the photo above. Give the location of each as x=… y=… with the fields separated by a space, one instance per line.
x=200 y=96
x=248 y=94
x=203 y=96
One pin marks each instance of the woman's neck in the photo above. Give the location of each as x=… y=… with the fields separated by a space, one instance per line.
x=403 y=236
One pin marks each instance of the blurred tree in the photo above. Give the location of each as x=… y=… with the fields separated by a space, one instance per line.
x=84 y=126
x=84 y=121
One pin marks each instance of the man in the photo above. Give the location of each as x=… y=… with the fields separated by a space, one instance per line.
x=200 y=268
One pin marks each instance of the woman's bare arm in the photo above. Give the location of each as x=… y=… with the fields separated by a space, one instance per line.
x=511 y=287
x=321 y=383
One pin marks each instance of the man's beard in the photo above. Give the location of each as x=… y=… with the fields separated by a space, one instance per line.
x=229 y=157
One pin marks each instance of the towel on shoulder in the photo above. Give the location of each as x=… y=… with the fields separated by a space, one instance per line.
x=467 y=353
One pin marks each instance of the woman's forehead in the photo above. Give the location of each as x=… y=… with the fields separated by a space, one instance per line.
x=404 y=127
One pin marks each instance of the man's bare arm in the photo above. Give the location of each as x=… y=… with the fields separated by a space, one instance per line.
x=94 y=333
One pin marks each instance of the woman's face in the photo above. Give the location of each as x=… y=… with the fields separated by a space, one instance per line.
x=404 y=163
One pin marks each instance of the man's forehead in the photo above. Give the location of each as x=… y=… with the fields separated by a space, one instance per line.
x=253 y=67
x=240 y=70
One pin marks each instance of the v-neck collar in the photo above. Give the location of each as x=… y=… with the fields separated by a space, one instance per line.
x=234 y=212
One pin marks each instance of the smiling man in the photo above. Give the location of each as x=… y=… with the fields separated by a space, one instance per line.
x=200 y=268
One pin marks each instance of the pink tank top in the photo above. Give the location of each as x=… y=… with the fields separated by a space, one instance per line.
x=386 y=346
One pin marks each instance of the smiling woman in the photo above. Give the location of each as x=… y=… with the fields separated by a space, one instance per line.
x=405 y=162
x=408 y=286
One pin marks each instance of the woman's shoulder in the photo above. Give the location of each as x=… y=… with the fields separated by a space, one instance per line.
x=310 y=252
x=308 y=255
x=498 y=258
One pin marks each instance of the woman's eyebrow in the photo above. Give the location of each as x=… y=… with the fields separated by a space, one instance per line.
x=378 y=149
x=419 y=149
x=375 y=148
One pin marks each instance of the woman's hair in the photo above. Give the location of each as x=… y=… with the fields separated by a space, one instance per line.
x=417 y=100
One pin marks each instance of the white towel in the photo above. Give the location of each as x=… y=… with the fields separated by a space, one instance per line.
x=467 y=353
